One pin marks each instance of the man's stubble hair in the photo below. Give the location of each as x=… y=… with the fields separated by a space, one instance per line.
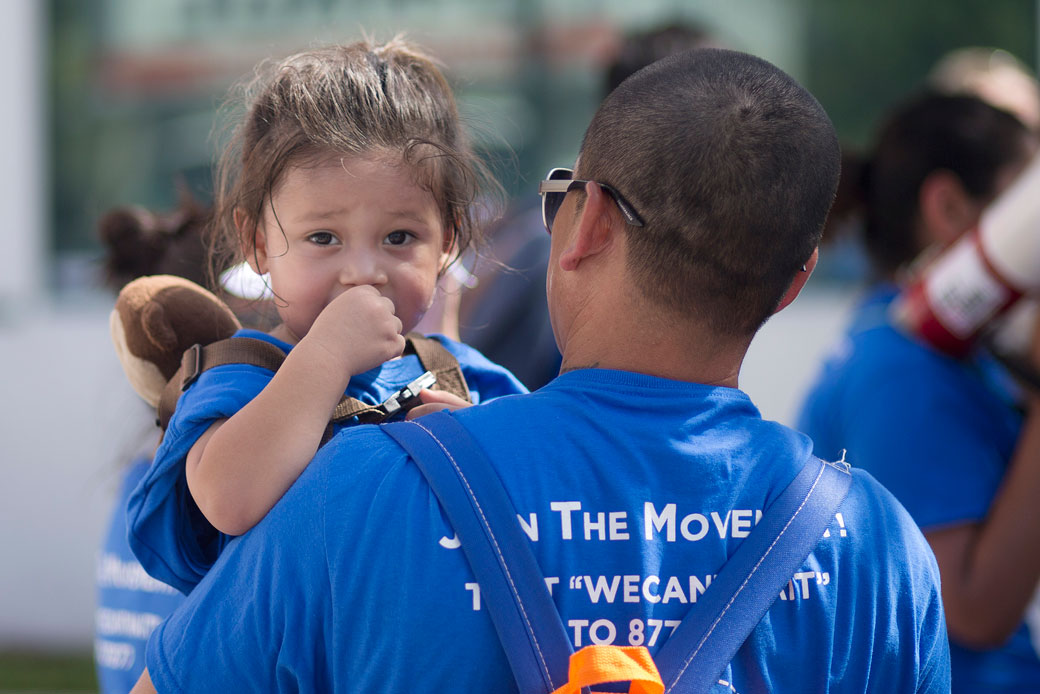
x=733 y=167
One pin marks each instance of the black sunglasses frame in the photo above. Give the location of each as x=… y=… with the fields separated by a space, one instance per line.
x=558 y=183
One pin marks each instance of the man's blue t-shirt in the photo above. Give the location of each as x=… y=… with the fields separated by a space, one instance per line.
x=130 y=603
x=632 y=489
x=938 y=433
x=167 y=532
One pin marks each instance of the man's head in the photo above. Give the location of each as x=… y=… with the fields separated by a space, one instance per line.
x=732 y=166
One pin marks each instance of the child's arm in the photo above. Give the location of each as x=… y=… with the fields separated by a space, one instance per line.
x=240 y=467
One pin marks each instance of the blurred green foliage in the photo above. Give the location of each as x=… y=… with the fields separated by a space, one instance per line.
x=865 y=56
x=37 y=672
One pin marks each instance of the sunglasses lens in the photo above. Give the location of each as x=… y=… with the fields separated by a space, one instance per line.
x=551 y=202
x=550 y=206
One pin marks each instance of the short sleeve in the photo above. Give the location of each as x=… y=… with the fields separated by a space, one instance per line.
x=934 y=652
x=260 y=616
x=167 y=532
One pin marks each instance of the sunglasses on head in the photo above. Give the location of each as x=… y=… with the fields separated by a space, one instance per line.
x=559 y=182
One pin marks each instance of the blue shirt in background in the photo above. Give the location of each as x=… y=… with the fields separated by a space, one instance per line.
x=938 y=433
x=130 y=603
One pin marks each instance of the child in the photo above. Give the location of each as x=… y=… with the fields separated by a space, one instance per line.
x=350 y=185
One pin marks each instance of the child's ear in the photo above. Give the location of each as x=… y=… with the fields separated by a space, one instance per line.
x=252 y=241
x=451 y=237
x=449 y=248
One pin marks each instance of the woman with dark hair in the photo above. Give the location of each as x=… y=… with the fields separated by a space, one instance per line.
x=130 y=603
x=954 y=439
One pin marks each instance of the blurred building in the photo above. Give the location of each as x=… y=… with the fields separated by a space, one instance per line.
x=135 y=86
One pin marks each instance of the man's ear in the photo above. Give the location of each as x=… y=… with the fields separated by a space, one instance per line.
x=252 y=241
x=946 y=208
x=799 y=281
x=594 y=231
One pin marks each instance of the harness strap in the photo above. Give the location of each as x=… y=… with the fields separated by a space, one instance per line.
x=511 y=584
x=199 y=358
x=750 y=581
x=432 y=355
x=442 y=363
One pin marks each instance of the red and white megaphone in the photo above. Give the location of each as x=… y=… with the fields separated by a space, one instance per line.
x=974 y=287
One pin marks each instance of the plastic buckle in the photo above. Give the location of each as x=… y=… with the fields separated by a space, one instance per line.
x=401 y=398
x=191 y=365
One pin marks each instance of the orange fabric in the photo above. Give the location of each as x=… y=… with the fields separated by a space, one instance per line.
x=599 y=664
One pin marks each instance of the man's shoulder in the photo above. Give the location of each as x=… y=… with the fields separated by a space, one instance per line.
x=886 y=574
x=362 y=466
x=363 y=445
x=879 y=525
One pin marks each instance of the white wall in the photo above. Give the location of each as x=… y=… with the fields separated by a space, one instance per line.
x=787 y=352
x=67 y=421
x=22 y=122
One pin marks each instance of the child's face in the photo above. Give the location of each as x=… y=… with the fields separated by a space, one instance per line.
x=349 y=222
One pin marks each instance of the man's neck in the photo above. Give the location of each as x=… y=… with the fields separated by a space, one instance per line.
x=637 y=342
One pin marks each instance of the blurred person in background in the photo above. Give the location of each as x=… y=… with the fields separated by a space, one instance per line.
x=993 y=75
x=956 y=441
x=130 y=603
x=140 y=242
x=504 y=315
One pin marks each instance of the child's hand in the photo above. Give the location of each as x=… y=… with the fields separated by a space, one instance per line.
x=359 y=330
x=435 y=401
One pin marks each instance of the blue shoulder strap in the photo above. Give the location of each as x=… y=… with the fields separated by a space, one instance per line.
x=750 y=581
x=521 y=608
x=511 y=584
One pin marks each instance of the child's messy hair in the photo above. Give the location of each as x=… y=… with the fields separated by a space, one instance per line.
x=350 y=100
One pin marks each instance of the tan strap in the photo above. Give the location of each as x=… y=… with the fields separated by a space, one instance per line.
x=199 y=358
x=433 y=357
x=348 y=407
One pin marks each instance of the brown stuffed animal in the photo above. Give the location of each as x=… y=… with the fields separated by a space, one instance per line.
x=157 y=318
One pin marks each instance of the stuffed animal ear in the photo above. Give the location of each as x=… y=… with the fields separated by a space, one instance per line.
x=160 y=316
x=157 y=327
x=144 y=376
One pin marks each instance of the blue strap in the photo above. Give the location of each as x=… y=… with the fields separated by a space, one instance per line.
x=483 y=516
x=521 y=608
x=706 y=641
